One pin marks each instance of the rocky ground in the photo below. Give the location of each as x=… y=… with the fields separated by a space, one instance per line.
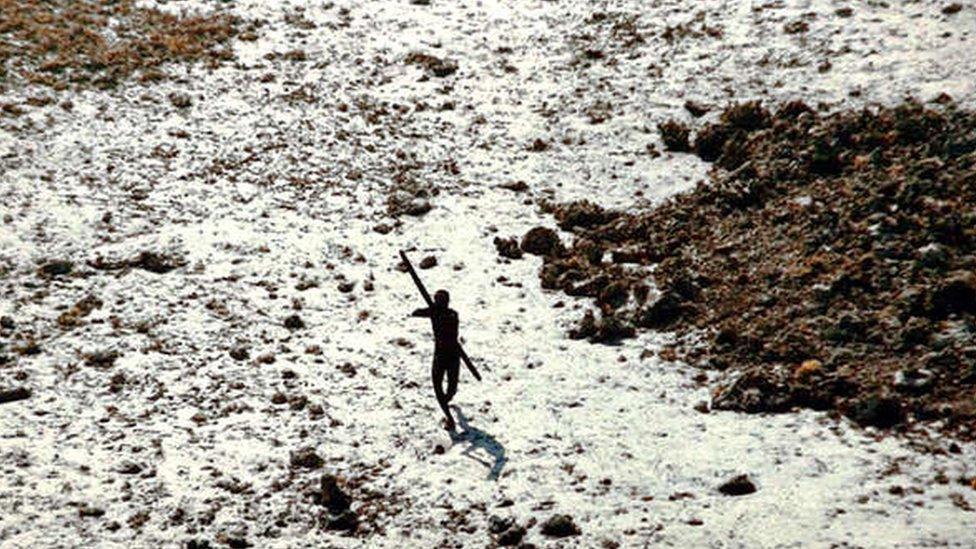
x=828 y=263
x=204 y=332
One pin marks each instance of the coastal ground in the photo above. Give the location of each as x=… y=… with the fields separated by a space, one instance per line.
x=200 y=276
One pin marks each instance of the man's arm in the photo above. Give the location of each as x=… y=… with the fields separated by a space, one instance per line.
x=425 y=312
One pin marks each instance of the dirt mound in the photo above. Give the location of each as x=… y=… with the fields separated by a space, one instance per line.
x=829 y=262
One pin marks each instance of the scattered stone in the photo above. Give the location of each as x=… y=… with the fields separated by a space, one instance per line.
x=129 y=468
x=435 y=66
x=88 y=511
x=56 y=268
x=538 y=145
x=696 y=109
x=294 y=322
x=877 y=411
x=541 y=241
x=515 y=186
x=428 y=262
x=7 y=323
x=512 y=536
x=796 y=27
x=560 y=526
x=156 y=262
x=101 y=359
x=917 y=380
x=13 y=395
x=952 y=9
x=737 y=486
x=497 y=524
x=675 y=136
x=240 y=353
x=180 y=100
x=306 y=458
x=508 y=247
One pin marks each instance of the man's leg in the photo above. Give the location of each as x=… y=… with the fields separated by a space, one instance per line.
x=438 y=377
x=452 y=379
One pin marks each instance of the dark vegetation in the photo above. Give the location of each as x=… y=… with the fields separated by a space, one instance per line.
x=65 y=43
x=830 y=262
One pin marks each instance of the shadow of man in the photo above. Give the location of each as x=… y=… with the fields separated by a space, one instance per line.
x=479 y=440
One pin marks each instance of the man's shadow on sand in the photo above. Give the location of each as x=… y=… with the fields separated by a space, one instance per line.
x=478 y=439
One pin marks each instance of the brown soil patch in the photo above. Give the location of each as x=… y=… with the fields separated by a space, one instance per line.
x=64 y=43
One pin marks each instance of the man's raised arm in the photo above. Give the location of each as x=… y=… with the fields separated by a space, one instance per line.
x=425 y=312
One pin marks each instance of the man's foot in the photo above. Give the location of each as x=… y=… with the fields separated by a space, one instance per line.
x=448 y=424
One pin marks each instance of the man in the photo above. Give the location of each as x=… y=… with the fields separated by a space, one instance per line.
x=447 y=351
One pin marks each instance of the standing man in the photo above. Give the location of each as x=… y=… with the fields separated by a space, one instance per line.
x=447 y=350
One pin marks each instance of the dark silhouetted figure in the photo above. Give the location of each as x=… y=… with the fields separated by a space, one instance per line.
x=447 y=350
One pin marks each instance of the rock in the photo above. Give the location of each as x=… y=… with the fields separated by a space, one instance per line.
x=417 y=207
x=696 y=109
x=156 y=263
x=515 y=186
x=589 y=250
x=611 y=329
x=129 y=468
x=541 y=241
x=435 y=66
x=508 y=247
x=279 y=398
x=666 y=310
x=497 y=524
x=918 y=381
x=933 y=255
x=56 y=268
x=13 y=395
x=753 y=392
x=88 y=511
x=7 y=323
x=584 y=214
x=560 y=526
x=180 y=100
x=585 y=328
x=382 y=228
x=294 y=322
x=710 y=141
x=956 y=294
x=101 y=359
x=613 y=295
x=675 y=136
x=346 y=286
x=737 y=486
x=306 y=458
x=702 y=407
x=428 y=262
x=952 y=9
x=796 y=27
x=807 y=369
x=748 y=116
x=877 y=411
x=512 y=536
x=538 y=145
x=331 y=496
x=401 y=202
x=240 y=353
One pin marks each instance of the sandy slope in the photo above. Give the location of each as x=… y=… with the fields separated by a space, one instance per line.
x=270 y=191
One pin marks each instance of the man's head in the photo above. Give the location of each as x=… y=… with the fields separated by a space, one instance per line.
x=441 y=298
